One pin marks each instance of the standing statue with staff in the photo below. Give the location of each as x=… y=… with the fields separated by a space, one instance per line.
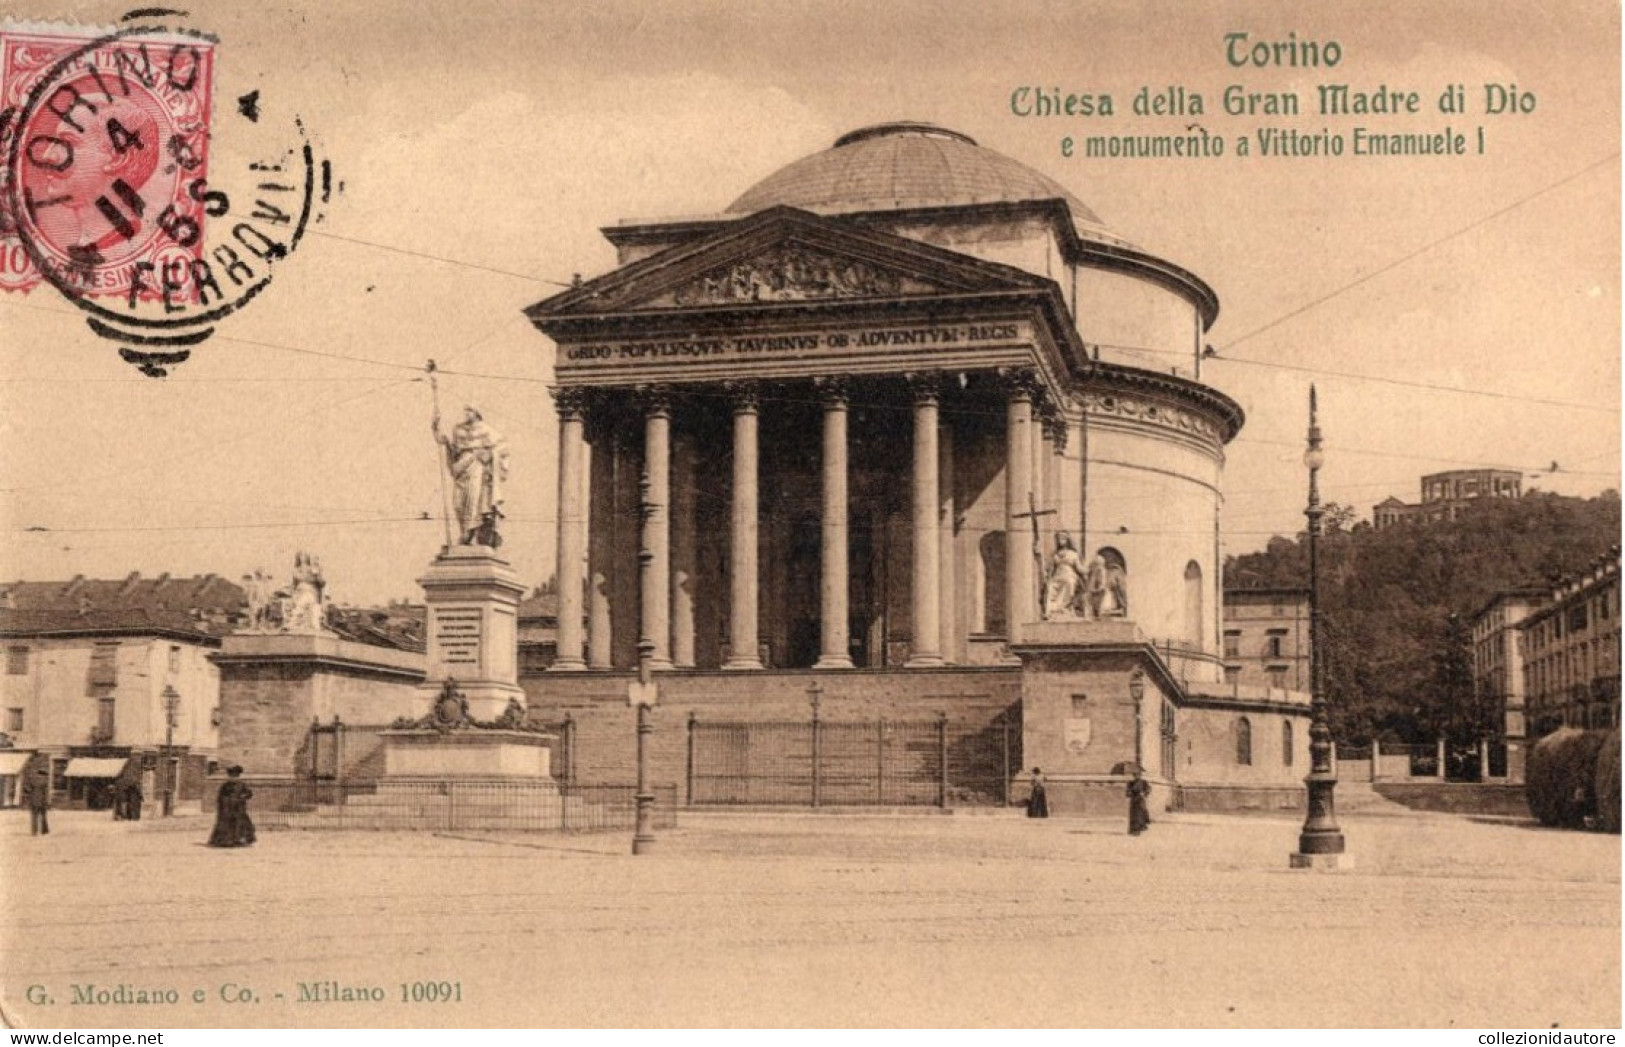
x=476 y=458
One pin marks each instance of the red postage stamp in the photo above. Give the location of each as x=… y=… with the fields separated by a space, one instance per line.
x=110 y=138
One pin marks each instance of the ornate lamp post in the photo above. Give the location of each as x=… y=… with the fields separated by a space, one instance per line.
x=172 y=704
x=644 y=692
x=1136 y=691
x=1321 y=841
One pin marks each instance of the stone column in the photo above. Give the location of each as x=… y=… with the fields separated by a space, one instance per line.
x=655 y=623
x=948 y=562
x=744 y=584
x=1020 y=599
x=570 y=571
x=834 y=613
x=927 y=595
x=601 y=547
x=684 y=552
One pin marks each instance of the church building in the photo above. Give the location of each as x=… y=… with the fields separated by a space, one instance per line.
x=903 y=434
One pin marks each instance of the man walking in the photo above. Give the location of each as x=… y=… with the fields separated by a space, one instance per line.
x=37 y=794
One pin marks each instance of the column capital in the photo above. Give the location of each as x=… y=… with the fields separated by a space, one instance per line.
x=1020 y=383
x=571 y=401
x=926 y=387
x=745 y=395
x=834 y=390
x=654 y=398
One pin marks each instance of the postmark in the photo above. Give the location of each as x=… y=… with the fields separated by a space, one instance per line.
x=113 y=193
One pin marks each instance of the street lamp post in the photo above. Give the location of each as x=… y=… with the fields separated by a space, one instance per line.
x=172 y=704
x=1136 y=691
x=644 y=692
x=1321 y=842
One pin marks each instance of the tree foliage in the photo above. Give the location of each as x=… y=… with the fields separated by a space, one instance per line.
x=1397 y=665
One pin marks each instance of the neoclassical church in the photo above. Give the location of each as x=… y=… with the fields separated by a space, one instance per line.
x=904 y=433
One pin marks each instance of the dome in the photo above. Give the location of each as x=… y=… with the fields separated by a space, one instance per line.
x=895 y=166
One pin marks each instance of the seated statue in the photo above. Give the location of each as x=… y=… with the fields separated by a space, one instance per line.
x=1064 y=590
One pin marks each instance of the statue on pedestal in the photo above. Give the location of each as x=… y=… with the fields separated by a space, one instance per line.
x=304 y=609
x=477 y=460
x=1064 y=593
x=1107 y=582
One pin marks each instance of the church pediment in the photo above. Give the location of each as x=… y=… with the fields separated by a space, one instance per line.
x=783 y=255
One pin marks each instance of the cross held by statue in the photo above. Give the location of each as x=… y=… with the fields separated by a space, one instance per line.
x=1033 y=513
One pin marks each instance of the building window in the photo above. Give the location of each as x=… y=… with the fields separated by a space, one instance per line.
x=1232 y=674
x=1194 y=630
x=14 y=720
x=990 y=580
x=1244 y=741
x=1232 y=644
x=103 y=667
x=1277 y=676
x=1286 y=743
x=16 y=661
x=106 y=718
x=174 y=659
x=1080 y=705
x=1273 y=646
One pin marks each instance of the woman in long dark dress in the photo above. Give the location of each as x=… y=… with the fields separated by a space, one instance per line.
x=232 y=827
x=1038 y=800
x=1139 y=814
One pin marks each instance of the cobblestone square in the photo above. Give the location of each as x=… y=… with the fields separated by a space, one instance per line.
x=805 y=920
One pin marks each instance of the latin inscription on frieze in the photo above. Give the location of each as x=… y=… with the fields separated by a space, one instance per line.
x=748 y=346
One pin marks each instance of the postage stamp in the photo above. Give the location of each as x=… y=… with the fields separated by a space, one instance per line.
x=112 y=150
x=107 y=193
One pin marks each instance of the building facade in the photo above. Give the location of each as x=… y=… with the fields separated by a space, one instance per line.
x=1498 y=668
x=1266 y=638
x=1571 y=653
x=838 y=434
x=1445 y=496
x=111 y=681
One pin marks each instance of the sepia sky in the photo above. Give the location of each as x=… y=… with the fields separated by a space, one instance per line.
x=1455 y=312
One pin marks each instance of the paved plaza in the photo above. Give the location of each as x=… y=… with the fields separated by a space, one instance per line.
x=815 y=920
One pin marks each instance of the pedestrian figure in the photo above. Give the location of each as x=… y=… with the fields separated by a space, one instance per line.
x=232 y=827
x=37 y=794
x=1139 y=816
x=132 y=801
x=1038 y=800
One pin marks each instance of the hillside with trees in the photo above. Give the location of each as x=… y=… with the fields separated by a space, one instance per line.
x=1395 y=603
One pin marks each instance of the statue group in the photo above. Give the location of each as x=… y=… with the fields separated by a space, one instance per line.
x=298 y=607
x=1084 y=592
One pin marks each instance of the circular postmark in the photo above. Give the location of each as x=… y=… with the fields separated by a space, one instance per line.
x=111 y=194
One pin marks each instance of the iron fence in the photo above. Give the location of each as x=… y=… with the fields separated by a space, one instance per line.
x=453 y=805
x=881 y=762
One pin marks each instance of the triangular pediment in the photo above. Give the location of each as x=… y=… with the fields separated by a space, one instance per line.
x=783 y=255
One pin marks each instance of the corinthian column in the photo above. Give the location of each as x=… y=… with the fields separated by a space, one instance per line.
x=569 y=572
x=1020 y=594
x=744 y=584
x=656 y=623
x=834 y=620
x=927 y=596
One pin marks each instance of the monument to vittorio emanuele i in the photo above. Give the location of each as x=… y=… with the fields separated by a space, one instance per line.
x=907 y=427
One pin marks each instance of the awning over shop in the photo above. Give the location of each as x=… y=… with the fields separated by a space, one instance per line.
x=13 y=763
x=95 y=767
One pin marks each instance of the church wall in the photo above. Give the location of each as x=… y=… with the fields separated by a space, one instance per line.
x=1136 y=322
x=1154 y=499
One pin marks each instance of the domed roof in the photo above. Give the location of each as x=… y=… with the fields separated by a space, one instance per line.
x=906 y=165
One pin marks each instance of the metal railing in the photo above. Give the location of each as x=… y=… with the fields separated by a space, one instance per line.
x=451 y=805
x=882 y=763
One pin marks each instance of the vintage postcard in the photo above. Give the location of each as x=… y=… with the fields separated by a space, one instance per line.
x=714 y=514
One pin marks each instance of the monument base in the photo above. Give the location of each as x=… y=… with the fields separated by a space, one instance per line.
x=1320 y=862
x=486 y=754
x=486 y=700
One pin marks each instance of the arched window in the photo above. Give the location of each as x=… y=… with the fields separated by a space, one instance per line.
x=1286 y=743
x=1244 y=741
x=990 y=583
x=1193 y=604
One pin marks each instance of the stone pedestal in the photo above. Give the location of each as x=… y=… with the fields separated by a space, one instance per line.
x=1078 y=713
x=464 y=754
x=473 y=595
